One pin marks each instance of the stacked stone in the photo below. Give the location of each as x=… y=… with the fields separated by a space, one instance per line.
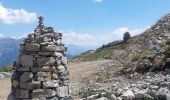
x=41 y=70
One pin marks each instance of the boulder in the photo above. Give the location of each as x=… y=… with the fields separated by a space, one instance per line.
x=55 y=76
x=54 y=35
x=50 y=84
x=26 y=76
x=15 y=83
x=162 y=92
x=128 y=95
x=20 y=93
x=45 y=61
x=32 y=47
x=59 y=42
x=151 y=92
x=64 y=60
x=167 y=96
x=42 y=39
x=27 y=60
x=30 y=86
x=61 y=69
x=92 y=97
x=55 y=54
x=63 y=91
x=23 y=69
x=119 y=92
x=43 y=93
x=119 y=98
x=42 y=76
x=52 y=48
x=167 y=60
x=140 y=94
x=11 y=97
x=66 y=82
x=42 y=69
x=113 y=97
x=58 y=54
x=167 y=70
x=22 y=47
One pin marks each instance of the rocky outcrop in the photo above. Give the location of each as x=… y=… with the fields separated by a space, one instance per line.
x=41 y=70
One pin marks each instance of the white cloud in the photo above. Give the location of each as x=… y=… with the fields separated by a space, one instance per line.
x=118 y=33
x=1 y=36
x=85 y=39
x=14 y=16
x=98 y=1
x=94 y=40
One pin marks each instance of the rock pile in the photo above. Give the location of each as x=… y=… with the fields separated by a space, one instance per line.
x=149 y=86
x=41 y=70
x=5 y=75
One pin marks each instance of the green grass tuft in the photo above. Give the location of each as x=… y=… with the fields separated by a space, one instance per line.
x=135 y=57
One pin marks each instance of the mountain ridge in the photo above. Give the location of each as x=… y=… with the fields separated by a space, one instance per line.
x=9 y=48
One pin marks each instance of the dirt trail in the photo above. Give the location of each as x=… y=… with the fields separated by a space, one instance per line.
x=77 y=71
x=5 y=86
x=81 y=69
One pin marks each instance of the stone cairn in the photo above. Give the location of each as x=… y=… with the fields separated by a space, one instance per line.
x=41 y=70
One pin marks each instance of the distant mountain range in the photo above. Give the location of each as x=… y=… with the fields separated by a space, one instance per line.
x=75 y=49
x=9 y=49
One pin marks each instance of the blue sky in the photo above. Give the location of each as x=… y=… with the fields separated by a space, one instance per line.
x=83 y=22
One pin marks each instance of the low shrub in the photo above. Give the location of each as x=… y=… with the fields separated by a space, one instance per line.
x=135 y=58
x=168 y=42
x=167 y=51
x=6 y=68
x=88 y=93
x=100 y=79
x=125 y=66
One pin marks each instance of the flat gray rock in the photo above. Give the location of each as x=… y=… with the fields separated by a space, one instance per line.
x=32 y=47
x=27 y=60
x=20 y=93
x=26 y=76
x=45 y=61
x=30 y=86
x=43 y=93
x=50 y=84
x=63 y=91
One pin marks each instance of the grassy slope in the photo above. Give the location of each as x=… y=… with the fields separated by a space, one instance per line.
x=104 y=52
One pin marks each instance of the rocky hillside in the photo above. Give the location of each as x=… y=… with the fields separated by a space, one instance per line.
x=144 y=49
x=139 y=69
